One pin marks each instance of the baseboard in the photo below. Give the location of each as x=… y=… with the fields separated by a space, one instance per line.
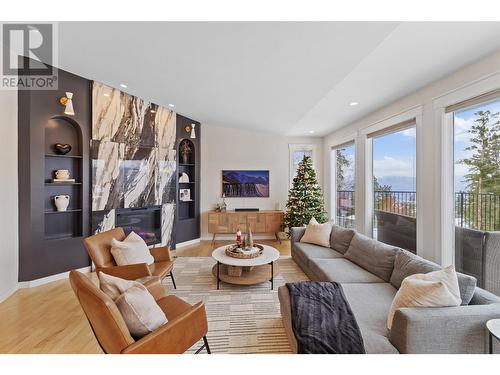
x=187 y=243
x=8 y=293
x=48 y=279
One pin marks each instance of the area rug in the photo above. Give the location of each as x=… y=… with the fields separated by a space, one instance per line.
x=241 y=319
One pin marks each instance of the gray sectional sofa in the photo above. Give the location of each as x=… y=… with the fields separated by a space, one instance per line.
x=371 y=273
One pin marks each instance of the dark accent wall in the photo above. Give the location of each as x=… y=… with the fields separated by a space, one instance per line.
x=188 y=213
x=51 y=242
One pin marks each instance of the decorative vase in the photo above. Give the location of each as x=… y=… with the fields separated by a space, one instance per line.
x=61 y=202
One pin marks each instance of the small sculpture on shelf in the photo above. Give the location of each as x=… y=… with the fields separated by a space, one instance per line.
x=249 y=238
x=62 y=175
x=184 y=178
x=62 y=148
x=61 y=202
x=222 y=206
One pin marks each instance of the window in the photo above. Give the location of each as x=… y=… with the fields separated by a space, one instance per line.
x=394 y=186
x=297 y=153
x=343 y=175
x=476 y=158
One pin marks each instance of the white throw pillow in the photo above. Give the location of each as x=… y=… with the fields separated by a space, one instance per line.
x=318 y=234
x=131 y=250
x=434 y=289
x=114 y=286
x=140 y=311
x=137 y=306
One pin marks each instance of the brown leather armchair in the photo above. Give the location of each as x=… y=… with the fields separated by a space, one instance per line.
x=187 y=324
x=99 y=248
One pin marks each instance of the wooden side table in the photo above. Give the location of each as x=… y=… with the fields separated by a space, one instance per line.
x=493 y=327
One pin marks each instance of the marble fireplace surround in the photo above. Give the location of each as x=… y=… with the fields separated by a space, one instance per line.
x=133 y=156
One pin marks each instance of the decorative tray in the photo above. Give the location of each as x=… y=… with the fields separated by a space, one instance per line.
x=249 y=253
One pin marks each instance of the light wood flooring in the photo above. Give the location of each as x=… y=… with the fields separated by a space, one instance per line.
x=48 y=318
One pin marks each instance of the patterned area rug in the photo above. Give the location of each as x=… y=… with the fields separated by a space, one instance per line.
x=241 y=319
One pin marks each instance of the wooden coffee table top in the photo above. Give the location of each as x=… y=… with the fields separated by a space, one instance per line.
x=270 y=254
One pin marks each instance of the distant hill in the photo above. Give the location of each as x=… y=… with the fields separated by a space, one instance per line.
x=399 y=183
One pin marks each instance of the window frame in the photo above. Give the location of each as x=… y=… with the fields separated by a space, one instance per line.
x=444 y=121
x=294 y=147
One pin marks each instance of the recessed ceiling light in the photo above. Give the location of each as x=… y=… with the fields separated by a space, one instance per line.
x=311 y=131
x=171 y=105
x=153 y=111
x=123 y=85
x=106 y=94
x=352 y=104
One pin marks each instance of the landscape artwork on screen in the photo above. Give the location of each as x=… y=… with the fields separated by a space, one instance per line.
x=245 y=184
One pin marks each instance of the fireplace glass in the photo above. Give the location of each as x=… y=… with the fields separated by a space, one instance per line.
x=146 y=222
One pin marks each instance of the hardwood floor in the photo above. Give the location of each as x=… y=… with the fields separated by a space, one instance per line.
x=49 y=319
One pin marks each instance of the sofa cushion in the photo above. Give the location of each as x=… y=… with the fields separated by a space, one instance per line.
x=342 y=271
x=340 y=238
x=307 y=251
x=370 y=304
x=372 y=255
x=406 y=264
x=318 y=234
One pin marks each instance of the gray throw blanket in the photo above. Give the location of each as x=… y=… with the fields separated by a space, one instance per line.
x=322 y=319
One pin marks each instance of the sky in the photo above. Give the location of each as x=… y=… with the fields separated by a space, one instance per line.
x=462 y=122
x=394 y=154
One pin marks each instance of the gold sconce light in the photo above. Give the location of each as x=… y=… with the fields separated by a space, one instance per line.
x=190 y=129
x=67 y=102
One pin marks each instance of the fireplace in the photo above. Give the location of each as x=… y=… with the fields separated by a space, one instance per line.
x=145 y=221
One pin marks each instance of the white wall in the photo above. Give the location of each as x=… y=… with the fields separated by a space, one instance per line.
x=8 y=192
x=228 y=148
x=429 y=193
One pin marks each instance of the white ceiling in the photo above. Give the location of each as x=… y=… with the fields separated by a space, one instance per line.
x=281 y=77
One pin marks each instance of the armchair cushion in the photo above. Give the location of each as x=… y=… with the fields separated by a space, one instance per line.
x=129 y=272
x=140 y=311
x=131 y=250
x=114 y=286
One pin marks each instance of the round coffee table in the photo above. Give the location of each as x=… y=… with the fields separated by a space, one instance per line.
x=493 y=326
x=253 y=271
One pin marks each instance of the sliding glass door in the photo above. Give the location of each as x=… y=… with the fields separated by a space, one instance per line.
x=394 y=187
x=476 y=132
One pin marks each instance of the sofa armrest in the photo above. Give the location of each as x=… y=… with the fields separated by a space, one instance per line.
x=175 y=337
x=296 y=234
x=161 y=254
x=128 y=272
x=436 y=330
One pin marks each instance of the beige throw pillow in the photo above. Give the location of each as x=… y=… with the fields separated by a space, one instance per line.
x=140 y=311
x=318 y=234
x=114 y=286
x=433 y=289
x=131 y=250
x=137 y=306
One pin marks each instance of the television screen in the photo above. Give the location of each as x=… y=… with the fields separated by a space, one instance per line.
x=245 y=184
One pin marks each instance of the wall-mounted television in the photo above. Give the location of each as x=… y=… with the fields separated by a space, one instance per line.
x=245 y=184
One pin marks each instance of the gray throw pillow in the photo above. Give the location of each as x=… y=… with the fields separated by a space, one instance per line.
x=407 y=264
x=372 y=255
x=340 y=238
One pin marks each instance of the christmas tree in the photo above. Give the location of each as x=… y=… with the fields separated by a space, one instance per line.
x=305 y=198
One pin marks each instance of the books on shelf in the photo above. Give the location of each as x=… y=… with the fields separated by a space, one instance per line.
x=66 y=180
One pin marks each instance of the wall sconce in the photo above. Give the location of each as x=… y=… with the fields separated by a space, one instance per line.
x=190 y=129
x=67 y=101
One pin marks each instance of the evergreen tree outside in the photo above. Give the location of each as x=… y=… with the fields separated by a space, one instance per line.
x=484 y=170
x=305 y=198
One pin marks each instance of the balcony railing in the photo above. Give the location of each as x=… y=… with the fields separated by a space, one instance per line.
x=472 y=210
x=477 y=228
